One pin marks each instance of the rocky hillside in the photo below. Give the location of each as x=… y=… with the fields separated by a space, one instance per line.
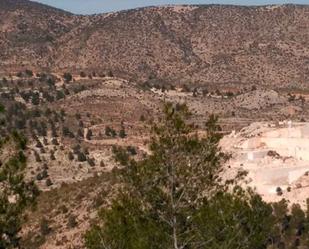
x=29 y=32
x=212 y=44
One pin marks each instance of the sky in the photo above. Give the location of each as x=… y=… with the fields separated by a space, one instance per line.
x=103 y=6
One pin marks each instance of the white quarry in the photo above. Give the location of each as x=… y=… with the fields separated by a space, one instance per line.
x=276 y=157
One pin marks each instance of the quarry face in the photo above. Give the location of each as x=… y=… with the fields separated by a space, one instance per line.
x=276 y=157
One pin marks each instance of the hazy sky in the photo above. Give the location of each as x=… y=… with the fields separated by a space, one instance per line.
x=100 y=6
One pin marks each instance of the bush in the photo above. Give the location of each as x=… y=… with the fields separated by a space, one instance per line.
x=110 y=74
x=48 y=182
x=55 y=141
x=39 y=177
x=67 y=77
x=89 y=134
x=64 y=209
x=29 y=73
x=60 y=95
x=76 y=148
x=39 y=144
x=279 y=191
x=72 y=221
x=81 y=157
x=91 y=162
x=131 y=150
x=52 y=156
x=37 y=157
x=44 y=227
x=122 y=133
x=44 y=174
x=71 y=156
x=120 y=155
x=110 y=132
x=67 y=132
x=142 y=118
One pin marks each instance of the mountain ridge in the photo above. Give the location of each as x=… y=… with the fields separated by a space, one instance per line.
x=206 y=44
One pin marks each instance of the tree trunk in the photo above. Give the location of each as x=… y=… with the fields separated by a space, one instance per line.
x=175 y=233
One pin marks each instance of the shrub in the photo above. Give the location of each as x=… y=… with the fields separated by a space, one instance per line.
x=29 y=73
x=55 y=141
x=52 y=156
x=131 y=150
x=110 y=74
x=91 y=162
x=81 y=157
x=39 y=144
x=89 y=134
x=142 y=118
x=39 y=177
x=37 y=157
x=48 y=182
x=122 y=133
x=44 y=174
x=60 y=95
x=76 y=148
x=110 y=132
x=64 y=209
x=44 y=227
x=279 y=191
x=67 y=77
x=72 y=221
x=71 y=156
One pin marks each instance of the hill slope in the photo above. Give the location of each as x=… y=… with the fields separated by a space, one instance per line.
x=182 y=44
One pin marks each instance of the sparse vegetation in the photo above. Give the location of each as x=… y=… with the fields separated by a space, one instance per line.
x=73 y=123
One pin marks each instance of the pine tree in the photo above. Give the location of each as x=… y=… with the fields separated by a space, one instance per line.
x=162 y=202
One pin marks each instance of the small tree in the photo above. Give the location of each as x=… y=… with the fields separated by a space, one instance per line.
x=163 y=192
x=89 y=134
x=67 y=77
x=81 y=156
x=91 y=162
x=44 y=227
x=54 y=141
x=72 y=221
x=71 y=156
x=110 y=74
x=29 y=73
x=110 y=132
x=122 y=133
x=279 y=191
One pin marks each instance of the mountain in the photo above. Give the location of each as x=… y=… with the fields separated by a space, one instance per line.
x=28 y=32
x=212 y=44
